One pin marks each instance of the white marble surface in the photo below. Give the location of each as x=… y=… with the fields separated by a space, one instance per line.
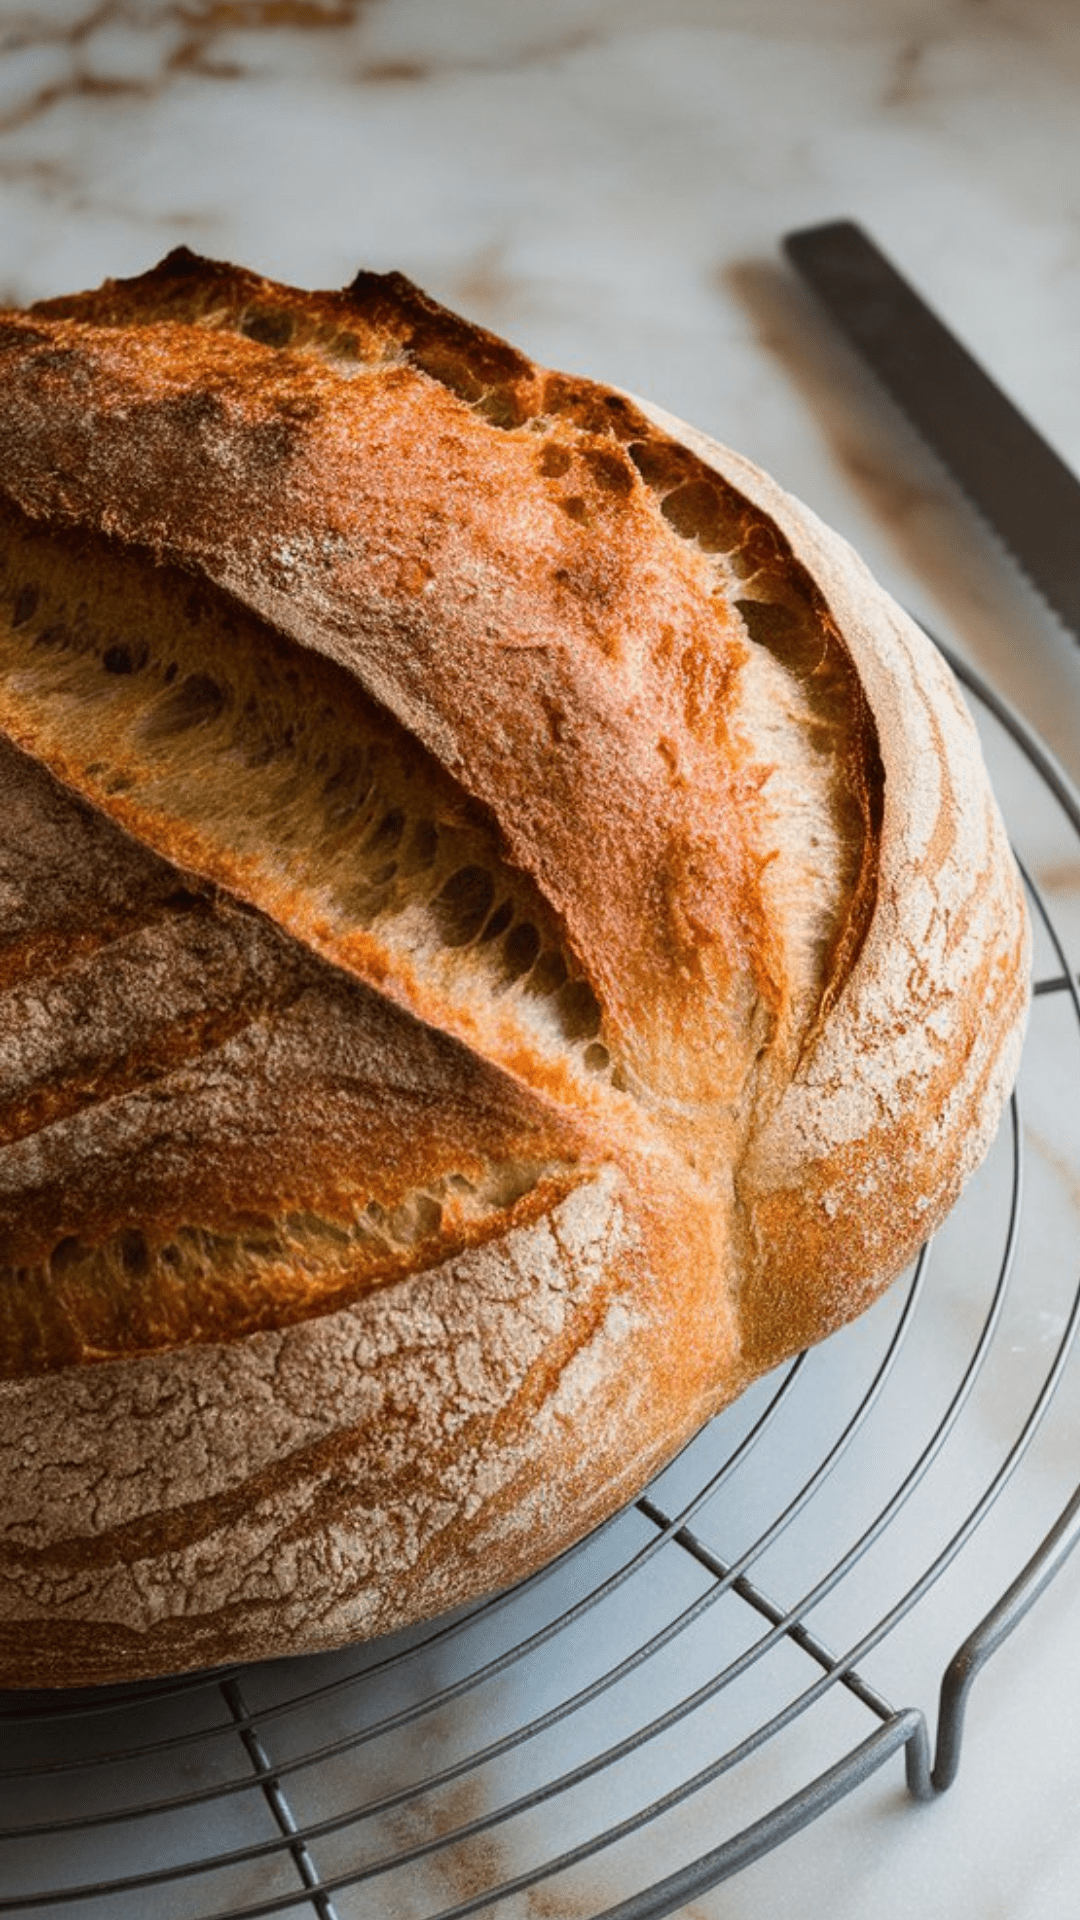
x=606 y=182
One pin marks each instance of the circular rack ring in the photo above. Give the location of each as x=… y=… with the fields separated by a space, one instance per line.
x=720 y=1657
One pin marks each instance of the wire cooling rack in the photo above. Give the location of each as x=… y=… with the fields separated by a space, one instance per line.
x=721 y=1659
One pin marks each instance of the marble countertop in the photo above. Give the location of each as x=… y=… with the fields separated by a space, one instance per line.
x=606 y=182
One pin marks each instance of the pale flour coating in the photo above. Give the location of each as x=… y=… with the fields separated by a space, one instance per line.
x=390 y=1421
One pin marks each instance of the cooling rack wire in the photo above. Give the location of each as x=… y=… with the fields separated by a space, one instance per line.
x=722 y=1659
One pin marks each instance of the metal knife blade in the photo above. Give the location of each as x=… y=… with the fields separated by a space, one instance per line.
x=1026 y=492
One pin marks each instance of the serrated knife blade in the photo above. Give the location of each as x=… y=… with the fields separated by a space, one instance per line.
x=1022 y=487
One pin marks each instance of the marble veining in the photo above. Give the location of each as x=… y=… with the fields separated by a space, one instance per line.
x=606 y=182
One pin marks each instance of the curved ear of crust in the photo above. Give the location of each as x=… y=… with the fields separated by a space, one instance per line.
x=896 y=1098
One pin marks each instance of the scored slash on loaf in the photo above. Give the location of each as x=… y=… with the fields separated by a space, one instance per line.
x=506 y=937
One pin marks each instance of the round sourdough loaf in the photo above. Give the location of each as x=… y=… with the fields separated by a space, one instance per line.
x=506 y=936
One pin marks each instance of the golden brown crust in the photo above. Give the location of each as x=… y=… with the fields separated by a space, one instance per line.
x=529 y=594
x=538 y=896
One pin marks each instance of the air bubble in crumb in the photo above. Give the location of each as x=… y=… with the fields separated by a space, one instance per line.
x=549 y=974
x=579 y=1011
x=520 y=949
x=463 y=903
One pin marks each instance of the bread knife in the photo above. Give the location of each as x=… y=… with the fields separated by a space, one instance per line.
x=1021 y=486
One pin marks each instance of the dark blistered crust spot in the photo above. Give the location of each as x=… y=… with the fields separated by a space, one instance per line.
x=270 y=326
x=554 y=460
x=610 y=470
x=24 y=604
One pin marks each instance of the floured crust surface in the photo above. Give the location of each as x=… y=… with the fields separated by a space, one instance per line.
x=325 y=1482
x=506 y=936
